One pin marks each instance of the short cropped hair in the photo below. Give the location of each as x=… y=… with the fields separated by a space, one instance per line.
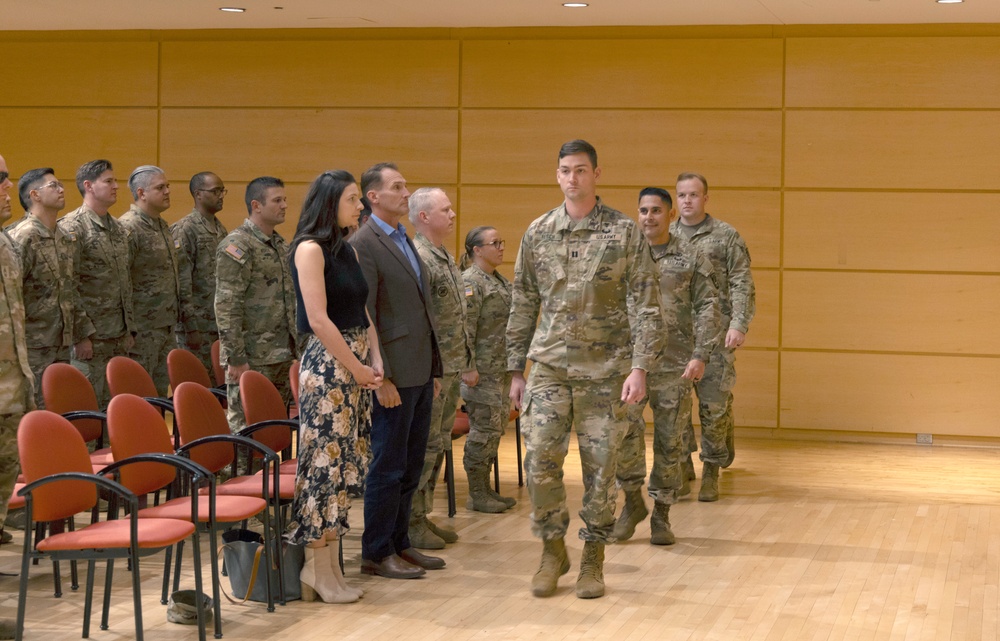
x=579 y=147
x=662 y=194
x=141 y=176
x=372 y=178
x=690 y=175
x=91 y=171
x=30 y=180
x=421 y=200
x=257 y=190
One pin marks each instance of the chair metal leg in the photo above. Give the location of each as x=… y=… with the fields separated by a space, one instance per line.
x=56 y=580
x=136 y=591
x=88 y=598
x=109 y=573
x=177 y=566
x=165 y=592
x=520 y=463
x=199 y=586
x=449 y=476
x=213 y=545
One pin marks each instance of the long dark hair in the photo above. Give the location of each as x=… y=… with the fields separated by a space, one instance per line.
x=318 y=221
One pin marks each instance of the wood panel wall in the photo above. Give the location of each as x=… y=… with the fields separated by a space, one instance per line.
x=861 y=164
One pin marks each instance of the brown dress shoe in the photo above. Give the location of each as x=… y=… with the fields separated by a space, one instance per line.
x=414 y=556
x=392 y=567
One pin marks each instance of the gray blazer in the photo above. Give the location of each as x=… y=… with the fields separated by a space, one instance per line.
x=399 y=307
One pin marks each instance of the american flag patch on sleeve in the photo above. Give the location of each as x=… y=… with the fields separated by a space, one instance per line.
x=468 y=291
x=234 y=251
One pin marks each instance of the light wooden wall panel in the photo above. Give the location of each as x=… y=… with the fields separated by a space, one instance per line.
x=914 y=231
x=622 y=73
x=736 y=148
x=890 y=393
x=65 y=138
x=893 y=72
x=240 y=144
x=355 y=73
x=943 y=313
x=79 y=74
x=764 y=327
x=892 y=149
x=756 y=391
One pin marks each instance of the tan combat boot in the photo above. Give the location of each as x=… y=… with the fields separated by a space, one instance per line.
x=709 y=483
x=659 y=525
x=555 y=563
x=590 y=583
x=632 y=515
x=480 y=499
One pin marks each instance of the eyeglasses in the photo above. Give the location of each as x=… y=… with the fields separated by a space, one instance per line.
x=497 y=244
x=52 y=183
x=218 y=191
x=3 y=177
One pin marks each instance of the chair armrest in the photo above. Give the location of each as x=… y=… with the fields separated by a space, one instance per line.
x=161 y=403
x=78 y=414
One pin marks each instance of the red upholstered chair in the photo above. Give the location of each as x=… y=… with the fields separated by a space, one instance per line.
x=184 y=366
x=68 y=392
x=60 y=484
x=206 y=438
x=126 y=376
x=267 y=418
x=293 y=382
x=136 y=428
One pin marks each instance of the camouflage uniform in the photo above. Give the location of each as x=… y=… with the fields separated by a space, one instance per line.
x=105 y=289
x=51 y=324
x=255 y=310
x=730 y=259
x=153 y=262
x=199 y=239
x=575 y=278
x=487 y=306
x=691 y=320
x=16 y=395
x=448 y=305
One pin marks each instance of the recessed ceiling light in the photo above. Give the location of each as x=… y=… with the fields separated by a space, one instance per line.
x=575 y=5
x=950 y=1
x=232 y=9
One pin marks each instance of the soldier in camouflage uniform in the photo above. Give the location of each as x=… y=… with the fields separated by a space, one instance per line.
x=433 y=220
x=255 y=297
x=577 y=268
x=486 y=388
x=153 y=266
x=199 y=234
x=16 y=395
x=51 y=325
x=101 y=266
x=730 y=259
x=691 y=319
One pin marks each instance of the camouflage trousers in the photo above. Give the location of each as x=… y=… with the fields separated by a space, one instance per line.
x=150 y=350
x=9 y=465
x=715 y=407
x=202 y=349
x=486 y=426
x=95 y=369
x=669 y=396
x=277 y=373
x=438 y=442
x=553 y=405
x=38 y=359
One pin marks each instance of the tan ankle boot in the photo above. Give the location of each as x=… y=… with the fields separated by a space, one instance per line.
x=555 y=563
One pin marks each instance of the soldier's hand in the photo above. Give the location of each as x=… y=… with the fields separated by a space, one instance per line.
x=233 y=373
x=84 y=350
x=517 y=385
x=129 y=341
x=634 y=388
x=471 y=378
x=193 y=340
x=388 y=395
x=735 y=338
x=437 y=387
x=694 y=371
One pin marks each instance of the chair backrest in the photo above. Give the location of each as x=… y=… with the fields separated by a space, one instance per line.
x=262 y=402
x=66 y=389
x=136 y=427
x=197 y=414
x=125 y=376
x=183 y=366
x=217 y=369
x=48 y=444
x=293 y=380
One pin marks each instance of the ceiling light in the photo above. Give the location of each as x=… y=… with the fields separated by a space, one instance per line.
x=950 y=1
x=575 y=5
x=232 y=9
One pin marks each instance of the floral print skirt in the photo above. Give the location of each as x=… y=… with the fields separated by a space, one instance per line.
x=334 y=440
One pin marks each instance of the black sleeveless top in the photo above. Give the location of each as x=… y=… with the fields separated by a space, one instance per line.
x=346 y=291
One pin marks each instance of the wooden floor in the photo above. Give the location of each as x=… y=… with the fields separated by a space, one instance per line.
x=810 y=541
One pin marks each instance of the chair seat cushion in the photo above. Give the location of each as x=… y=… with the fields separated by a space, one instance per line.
x=16 y=502
x=285 y=468
x=153 y=533
x=228 y=509
x=102 y=457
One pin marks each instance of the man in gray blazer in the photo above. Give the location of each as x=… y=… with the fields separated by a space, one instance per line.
x=398 y=302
